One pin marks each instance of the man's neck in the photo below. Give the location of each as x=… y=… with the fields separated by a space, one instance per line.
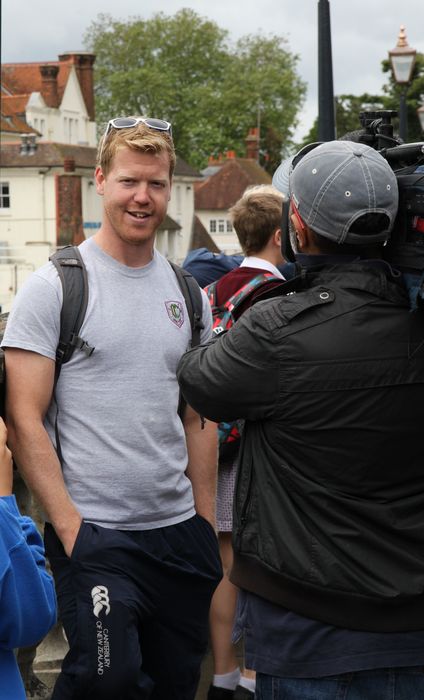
x=261 y=263
x=270 y=256
x=131 y=255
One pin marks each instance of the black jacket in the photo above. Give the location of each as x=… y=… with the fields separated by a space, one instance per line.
x=329 y=503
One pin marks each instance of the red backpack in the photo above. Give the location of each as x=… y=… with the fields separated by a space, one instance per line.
x=229 y=433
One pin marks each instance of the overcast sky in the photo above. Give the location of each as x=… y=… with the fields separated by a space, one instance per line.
x=362 y=32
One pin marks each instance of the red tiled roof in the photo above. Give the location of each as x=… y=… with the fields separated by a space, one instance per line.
x=14 y=125
x=224 y=188
x=24 y=78
x=14 y=104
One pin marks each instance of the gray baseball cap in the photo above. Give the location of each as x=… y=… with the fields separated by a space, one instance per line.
x=339 y=181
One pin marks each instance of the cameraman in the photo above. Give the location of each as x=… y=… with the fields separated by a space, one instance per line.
x=329 y=505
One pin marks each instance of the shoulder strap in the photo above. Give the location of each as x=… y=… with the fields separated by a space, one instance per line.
x=247 y=288
x=73 y=276
x=210 y=290
x=193 y=299
x=228 y=315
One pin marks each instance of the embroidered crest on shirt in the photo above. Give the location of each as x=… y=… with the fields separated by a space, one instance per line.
x=175 y=312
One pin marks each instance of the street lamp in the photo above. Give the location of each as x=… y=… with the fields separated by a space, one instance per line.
x=326 y=125
x=402 y=60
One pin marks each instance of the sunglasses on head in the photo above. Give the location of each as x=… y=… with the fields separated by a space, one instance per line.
x=129 y=122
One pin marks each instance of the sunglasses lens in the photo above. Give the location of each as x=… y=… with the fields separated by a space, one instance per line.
x=123 y=122
x=159 y=124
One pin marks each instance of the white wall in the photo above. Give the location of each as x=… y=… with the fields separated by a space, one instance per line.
x=28 y=227
x=226 y=240
x=32 y=212
x=67 y=124
x=92 y=206
x=181 y=209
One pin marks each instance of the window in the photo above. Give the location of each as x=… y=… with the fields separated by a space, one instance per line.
x=4 y=195
x=212 y=226
x=221 y=227
x=229 y=227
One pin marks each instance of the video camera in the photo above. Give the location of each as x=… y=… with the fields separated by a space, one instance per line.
x=405 y=250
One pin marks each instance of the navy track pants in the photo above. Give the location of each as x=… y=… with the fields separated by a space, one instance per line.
x=134 y=607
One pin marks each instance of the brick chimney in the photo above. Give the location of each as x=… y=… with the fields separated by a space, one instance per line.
x=69 y=222
x=49 y=84
x=252 y=144
x=83 y=63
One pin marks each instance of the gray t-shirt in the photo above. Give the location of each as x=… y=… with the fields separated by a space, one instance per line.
x=122 y=441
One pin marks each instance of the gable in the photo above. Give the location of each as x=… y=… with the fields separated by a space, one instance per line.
x=51 y=79
x=72 y=97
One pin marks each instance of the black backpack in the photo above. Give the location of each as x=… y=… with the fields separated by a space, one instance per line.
x=73 y=276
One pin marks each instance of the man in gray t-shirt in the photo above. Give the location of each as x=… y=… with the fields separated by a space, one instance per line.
x=130 y=505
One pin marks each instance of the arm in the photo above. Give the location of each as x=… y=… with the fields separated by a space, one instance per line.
x=28 y=603
x=235 y=376
x=202 y=447
x=6 y=466
x=30 y=380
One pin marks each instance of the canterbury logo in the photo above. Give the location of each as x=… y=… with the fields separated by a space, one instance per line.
x=100 y=596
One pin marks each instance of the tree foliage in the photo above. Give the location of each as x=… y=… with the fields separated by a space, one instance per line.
x=184 y=69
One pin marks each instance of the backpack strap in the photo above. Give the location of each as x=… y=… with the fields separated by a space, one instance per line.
x=73 y=276
x=193 y=299
x=226 y=319
x=210 y=290
x=247 y=288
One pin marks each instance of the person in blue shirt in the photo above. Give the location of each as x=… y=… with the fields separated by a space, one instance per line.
x=27 y=596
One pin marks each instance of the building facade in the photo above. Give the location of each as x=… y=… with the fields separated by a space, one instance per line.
x=48 y=196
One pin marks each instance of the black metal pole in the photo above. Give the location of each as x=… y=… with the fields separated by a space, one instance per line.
x=326 y=126
x=403 y=115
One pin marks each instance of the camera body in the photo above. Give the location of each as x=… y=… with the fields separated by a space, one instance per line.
x=405 y=250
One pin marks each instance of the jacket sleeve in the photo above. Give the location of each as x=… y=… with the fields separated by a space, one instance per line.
x=236 y=375
x=27 y=596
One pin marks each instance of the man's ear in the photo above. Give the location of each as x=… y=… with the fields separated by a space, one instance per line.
x=300 y=231
x=277 y=238
x=100 y=180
